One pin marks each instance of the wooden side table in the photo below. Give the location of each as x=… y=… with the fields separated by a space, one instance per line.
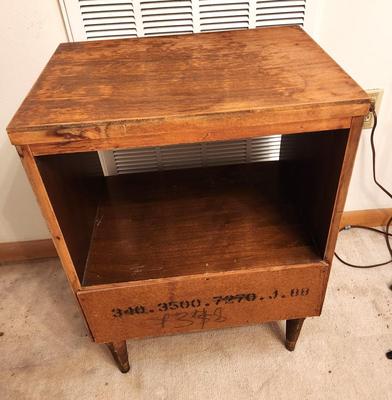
x=189 y=250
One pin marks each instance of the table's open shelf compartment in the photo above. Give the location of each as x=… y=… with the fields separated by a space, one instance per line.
x=187 y=222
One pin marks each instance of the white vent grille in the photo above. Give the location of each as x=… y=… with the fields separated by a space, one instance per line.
x=111 y=19
x=108 y=19
x=103 y=19
x=196 y=155
x=165 y=17
x=223 y=15
x=283 y=12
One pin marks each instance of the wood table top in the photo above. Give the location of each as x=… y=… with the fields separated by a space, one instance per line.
x=163 y=79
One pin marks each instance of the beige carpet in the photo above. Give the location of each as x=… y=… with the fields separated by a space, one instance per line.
x=45 y=352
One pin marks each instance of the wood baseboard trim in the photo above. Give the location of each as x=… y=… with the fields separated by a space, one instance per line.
x=26 y=251
x=373 y=217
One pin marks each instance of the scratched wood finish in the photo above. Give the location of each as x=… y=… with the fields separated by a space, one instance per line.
x=185 y=222
x=206 y=82
x=227 y=128
x=265 y=294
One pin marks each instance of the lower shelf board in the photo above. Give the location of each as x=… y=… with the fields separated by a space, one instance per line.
x=188 y=222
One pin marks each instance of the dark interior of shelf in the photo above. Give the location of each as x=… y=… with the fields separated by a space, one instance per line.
x=156 y=225
x=192 y=221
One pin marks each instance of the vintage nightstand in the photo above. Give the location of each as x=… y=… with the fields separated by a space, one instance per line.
x=192 y=249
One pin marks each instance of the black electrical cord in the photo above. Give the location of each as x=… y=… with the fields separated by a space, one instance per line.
x=386 y=234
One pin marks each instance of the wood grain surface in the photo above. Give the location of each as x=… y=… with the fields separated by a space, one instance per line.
x=186 y=222
x=201 y=302
x=93 y=90
x=74 y=184
x=41 y=193
x=11 y=252
x=373 y=217
x=344 y=180
x=224 y=127
x=311 y=166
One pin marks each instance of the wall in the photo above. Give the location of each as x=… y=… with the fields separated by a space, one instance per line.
x=30 y=32
x=358 y=35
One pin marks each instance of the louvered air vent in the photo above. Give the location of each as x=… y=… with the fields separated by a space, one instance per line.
x=103 y=19
x=223 y=15
x=283 y=12
x=196 y=155
x=108 y=19
x=164 y=17
x=111 y=19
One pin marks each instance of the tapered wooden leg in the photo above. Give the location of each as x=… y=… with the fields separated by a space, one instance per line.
x=293 y=328
x=120 y=354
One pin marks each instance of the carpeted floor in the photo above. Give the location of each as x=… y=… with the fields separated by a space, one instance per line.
x=45 y=352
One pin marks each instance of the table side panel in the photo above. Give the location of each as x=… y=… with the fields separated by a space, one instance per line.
x=311 y=166
x=37 y=184
x=344 y=181
x=74 y=183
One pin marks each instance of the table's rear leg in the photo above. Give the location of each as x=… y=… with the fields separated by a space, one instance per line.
x=293 y=329
x=120 y=354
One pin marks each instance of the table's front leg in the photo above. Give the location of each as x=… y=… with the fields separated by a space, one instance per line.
x=120 y=354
